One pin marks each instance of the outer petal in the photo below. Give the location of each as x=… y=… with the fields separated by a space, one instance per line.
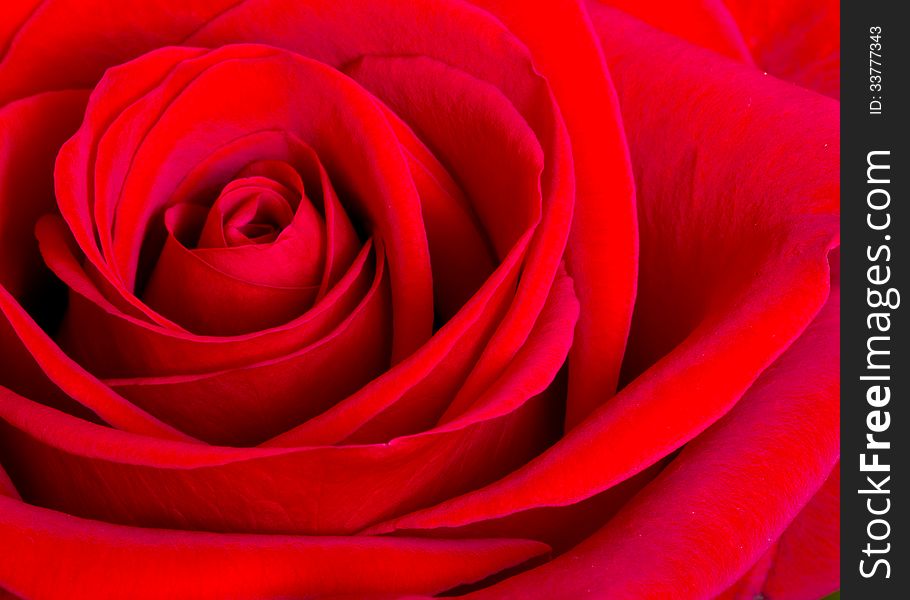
x=796 y=41
x=97 y=560
x=63 y=462
x=750 y=585
x=734 y=489
x=807 y=561
x=31 y=131
x=706 y=23
x=104 y=34
x=31 y=353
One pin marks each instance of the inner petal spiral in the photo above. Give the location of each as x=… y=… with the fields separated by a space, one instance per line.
x=261 y=244
x=248 y=212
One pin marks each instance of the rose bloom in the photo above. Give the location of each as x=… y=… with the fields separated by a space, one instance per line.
x=373 y=299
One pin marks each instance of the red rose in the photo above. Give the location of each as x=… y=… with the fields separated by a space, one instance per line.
x=303 y=298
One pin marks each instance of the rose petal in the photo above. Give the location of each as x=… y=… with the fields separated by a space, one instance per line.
x=763 y=266
x=325 y=35
x=29 y=346
x=102 y=36
x=603 y=246
x=807 y=561
x=419 y=389
x=31 y=131
x=75 y=197
x=750 y=585
x=66 y=463
x=796 y=41
x=327 y=32
x=132 y=347
x=716 y=491
x=93 y=559
x=250 y=201
x=251 y=403
x=489 y=148
x=705 y=23
x=317 y=489
x=188 y=289
x=181 y=133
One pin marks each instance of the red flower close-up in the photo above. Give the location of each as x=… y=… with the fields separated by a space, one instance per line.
x=386 y=298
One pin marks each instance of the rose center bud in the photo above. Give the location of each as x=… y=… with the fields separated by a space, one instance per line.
x=253 y=259
x=246 y=215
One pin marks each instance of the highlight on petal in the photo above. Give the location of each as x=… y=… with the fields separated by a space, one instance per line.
x=602 y=249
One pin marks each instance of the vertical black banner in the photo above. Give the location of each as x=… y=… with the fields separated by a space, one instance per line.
x=875 y=442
